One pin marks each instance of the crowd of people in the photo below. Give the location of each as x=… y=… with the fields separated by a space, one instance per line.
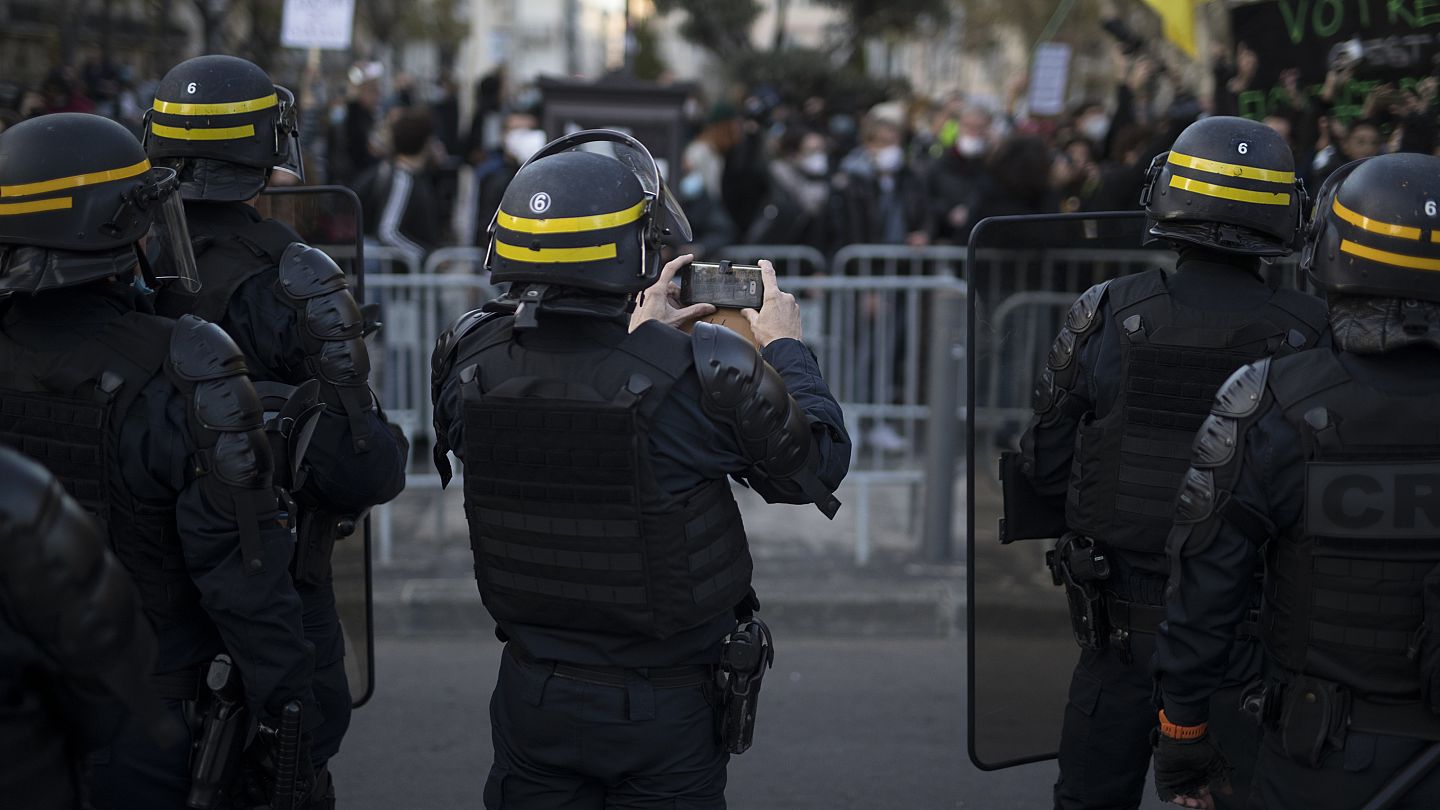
x=763 y=168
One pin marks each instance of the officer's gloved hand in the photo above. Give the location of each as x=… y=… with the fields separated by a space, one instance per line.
x=1189 y=769
x=779 y=316
x=661 y=300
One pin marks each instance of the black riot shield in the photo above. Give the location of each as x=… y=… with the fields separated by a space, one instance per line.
x=1024 y=274
x=329 y=218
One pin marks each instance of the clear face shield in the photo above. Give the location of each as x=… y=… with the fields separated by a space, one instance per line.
x=167 y=245
x=669 y=217
x=287 y=136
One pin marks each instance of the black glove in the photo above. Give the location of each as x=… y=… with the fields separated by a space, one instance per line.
x=1187 y=767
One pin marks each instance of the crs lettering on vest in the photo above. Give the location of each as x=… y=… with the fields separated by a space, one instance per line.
x=1398 y=500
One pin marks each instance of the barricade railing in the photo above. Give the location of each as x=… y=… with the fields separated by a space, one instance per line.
x=789 y=260
x=885 y=321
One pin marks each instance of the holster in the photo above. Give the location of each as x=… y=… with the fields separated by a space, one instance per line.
x=224 y=728
x=1313 y=719
x=316 y=533
x=1077 y=565
x=746 y=654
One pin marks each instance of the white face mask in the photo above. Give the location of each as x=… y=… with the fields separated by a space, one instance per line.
x=522 y=144
x=1095 y=127
x=889 y=159
x=970 y=146
x=692 y=186
x=814 y=163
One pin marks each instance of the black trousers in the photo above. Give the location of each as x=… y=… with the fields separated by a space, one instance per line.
x=133 y=773
x=1347 y=778
x=566 y=744
x=1105 y=749
x=331 y=686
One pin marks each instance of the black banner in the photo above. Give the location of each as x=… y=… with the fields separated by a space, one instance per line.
x=1390 y=41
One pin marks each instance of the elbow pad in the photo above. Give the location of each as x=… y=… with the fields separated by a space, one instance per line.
x=232 y=460
x=332 y=333
x=740 y=390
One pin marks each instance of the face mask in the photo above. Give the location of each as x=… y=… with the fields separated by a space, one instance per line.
x=889 y=159
x=1095 y=127
x=692 y=186
x=814 y=163
x=970 y=146
x=522 y=144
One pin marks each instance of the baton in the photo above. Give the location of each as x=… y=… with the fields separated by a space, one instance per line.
x=1405 y=779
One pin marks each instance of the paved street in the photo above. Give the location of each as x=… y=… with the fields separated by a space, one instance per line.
x=845 y=724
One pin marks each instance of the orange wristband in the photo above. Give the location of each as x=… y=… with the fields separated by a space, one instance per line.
x=1175 y=732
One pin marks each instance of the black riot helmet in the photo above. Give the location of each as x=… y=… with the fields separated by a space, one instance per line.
x=587 y=212
x=1376 y=229
x=77 y=194
x=1228 y=184
x=224 y=124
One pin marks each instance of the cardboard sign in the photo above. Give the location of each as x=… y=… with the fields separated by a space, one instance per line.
x=323 y=24
x=1049 y=77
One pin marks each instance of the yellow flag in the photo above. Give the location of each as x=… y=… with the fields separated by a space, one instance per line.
x=1179 y=19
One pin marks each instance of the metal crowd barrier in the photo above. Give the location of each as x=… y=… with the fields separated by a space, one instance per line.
x=886 y=322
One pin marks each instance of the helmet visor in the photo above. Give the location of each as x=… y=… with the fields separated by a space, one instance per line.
x=287 y=136
x=169 y=236
x=637 y=158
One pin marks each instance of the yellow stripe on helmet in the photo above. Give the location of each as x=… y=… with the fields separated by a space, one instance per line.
x=592 y=222
x=1229 y=192
x=206 y=134
x=1386 y=257
x=36 y=206
x=1230 y=169
x=74 y=181
x=556 y=255
x=1365 y=223
x=221 y=108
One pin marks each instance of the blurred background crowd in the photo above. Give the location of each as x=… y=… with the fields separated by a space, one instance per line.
x=892 y=123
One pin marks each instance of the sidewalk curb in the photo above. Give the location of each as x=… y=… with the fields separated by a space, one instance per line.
x=812 y=609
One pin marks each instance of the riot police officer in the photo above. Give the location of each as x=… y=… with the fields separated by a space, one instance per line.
x=224 y=126
x=74 y=647
x=152 y=425
x=607 y=544
x=1126 y=385
x=1323 y=465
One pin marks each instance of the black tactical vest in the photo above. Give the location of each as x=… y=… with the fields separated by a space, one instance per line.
x=568 y=526
x=226 y=262
x=65 y=409
x=1343 y=593
x=1129 y=463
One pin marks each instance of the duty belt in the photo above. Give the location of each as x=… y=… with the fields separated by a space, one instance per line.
x=659 y=677
x=1133 y=617
x=182 y=684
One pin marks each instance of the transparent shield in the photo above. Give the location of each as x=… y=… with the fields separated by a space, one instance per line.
x=328 y=217
x=1024 y=274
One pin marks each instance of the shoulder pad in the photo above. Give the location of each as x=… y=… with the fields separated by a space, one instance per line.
x=1079 y=322
x=200 y=350
x=1081 y=316
x=307 y=272
x=1240 y=396
x=727 y=363
x=442 y=359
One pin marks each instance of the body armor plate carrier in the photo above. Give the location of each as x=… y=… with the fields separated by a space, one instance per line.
x=1353 y=593
x=568 y=525
x=1130 y=462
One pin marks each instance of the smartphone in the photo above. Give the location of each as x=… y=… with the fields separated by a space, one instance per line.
x=724 y=284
